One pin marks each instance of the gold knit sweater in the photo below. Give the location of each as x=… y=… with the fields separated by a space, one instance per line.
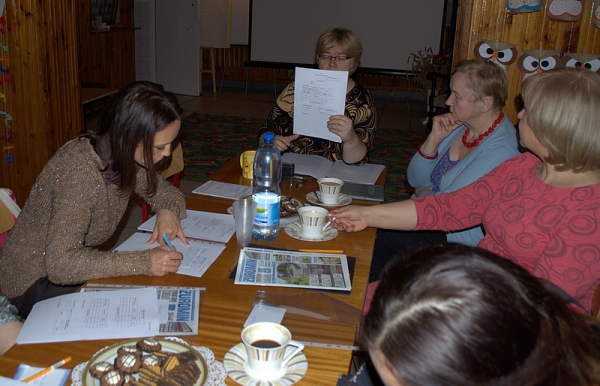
x=71 y=209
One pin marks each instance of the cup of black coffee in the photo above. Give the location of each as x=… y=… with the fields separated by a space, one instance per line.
x=269 y=347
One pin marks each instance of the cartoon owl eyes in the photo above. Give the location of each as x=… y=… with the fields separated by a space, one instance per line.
x=531 y=64
x=505 y=56
x=593 y=65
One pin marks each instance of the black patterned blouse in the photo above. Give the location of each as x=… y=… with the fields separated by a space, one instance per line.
x=360 y=107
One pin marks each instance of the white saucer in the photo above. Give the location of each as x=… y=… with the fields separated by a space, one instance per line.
x=234 y=365
x=295 y=230
x=342 y=201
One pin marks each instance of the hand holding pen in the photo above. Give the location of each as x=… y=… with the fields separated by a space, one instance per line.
x=165 y=261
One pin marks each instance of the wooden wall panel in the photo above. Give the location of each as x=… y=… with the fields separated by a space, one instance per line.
x=107 y=57
x=235 y=70
x=489 y=19
x=43 y=96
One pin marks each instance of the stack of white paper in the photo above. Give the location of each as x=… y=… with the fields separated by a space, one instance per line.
x=131 y=313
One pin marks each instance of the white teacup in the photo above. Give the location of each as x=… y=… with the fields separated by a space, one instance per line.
x=269 y=347
x=313 y=220
x=330 y=189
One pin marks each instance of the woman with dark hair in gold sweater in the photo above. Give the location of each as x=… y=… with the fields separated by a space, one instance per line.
x=81 y=195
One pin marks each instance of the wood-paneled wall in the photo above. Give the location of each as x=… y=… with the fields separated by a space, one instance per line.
x=43 y=95
x=489 y=19
x=51 y=51
x=235 y=70
x=107 y=57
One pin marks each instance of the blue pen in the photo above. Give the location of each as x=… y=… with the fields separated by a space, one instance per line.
x=168 y=242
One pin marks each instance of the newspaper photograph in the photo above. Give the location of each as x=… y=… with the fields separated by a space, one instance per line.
x=282 y=268
x=179 y=307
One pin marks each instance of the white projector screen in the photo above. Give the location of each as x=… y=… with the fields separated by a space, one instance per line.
x=284 y=32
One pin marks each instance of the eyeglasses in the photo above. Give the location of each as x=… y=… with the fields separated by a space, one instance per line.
x=327 y=58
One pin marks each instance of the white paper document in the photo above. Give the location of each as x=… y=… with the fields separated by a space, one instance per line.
x=196 y=258
x=178 y=307
x=93 y=315
x=319 y=167
x=363 y=174
x=56 y=377
x=223 y=190
x=202 y=225
x=265 y=313
x=318 y=95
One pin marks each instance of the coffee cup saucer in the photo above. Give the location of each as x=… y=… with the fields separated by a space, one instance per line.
x=294 y=230
x=343 y=200
x=237 y=356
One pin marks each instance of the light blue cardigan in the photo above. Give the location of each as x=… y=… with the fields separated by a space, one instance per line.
x=496 y=148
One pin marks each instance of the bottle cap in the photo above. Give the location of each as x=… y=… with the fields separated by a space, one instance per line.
x=268 y=136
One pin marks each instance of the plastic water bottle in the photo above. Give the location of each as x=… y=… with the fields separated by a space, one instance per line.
x=266 y=192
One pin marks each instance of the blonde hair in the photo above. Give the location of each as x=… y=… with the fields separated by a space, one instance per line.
x=348 y=41
x=562 y=111
x=485 y=79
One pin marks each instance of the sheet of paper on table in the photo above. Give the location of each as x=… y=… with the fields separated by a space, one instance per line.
x=223 y=190
x=178 y=307
x=209 y=226
x=318 y=94
x=56 y=377
x=196 y=258
x=92 y=315
x=319 y=167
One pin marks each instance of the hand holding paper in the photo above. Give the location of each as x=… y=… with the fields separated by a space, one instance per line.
x=318 y=95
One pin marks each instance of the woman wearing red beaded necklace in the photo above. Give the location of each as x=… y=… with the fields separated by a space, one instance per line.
x=540 y=209
x=463 y=145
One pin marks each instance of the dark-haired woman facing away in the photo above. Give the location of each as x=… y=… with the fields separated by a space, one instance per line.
x=81 y=195
x=457 y=315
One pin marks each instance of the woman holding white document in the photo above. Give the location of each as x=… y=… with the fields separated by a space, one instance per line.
x=339 y=50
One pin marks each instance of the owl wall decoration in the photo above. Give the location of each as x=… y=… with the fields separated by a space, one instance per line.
x=577 y=60
x=564 y=10
x=501 y=53
x=533 y=62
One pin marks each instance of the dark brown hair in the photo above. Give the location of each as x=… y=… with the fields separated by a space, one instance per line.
x=133 y=116
x=457 y=315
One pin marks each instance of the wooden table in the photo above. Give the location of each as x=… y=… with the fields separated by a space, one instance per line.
x=226 y=306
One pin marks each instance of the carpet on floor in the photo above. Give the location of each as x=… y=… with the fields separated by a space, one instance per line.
x=209 y=141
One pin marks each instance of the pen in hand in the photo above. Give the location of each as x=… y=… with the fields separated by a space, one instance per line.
x=168 y=242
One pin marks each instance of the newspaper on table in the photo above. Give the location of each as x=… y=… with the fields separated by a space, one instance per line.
x=179 y=307
x=283 y=268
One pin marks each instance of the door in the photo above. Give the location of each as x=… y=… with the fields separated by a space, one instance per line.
x=177 y=46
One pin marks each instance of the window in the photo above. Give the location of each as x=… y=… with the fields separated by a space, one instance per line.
x=105 y=11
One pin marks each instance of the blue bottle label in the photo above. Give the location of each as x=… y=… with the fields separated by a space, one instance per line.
x=267 y=209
